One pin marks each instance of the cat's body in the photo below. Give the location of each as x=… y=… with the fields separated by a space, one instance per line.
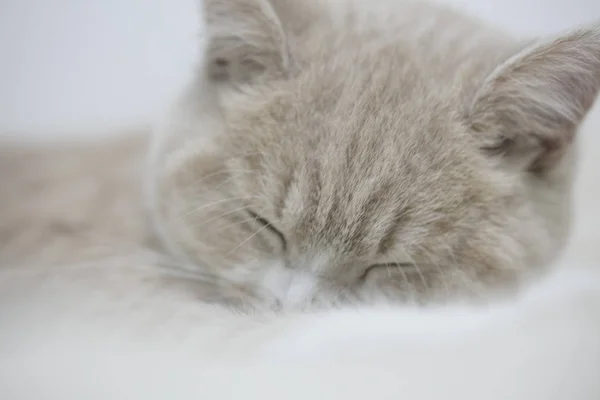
x=328 y=152
x=69 y=200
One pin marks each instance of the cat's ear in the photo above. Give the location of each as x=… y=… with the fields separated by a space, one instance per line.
x=245 y=39
x=530 y=108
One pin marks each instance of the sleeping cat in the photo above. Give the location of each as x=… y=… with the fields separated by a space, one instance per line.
x=333 y=151
x=327 y=152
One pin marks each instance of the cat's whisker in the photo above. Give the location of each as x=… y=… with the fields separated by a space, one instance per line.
x=450 y=251
x=204 y=206
x=252 y=218
x=233 y=223
x=419 y=271
x=405 y=277
x=183 y=273
x=443 y=278
x=220 y=172
x=250 y=153
x=232 y=177
x=222 y=215
x=212 y=194
x=248 y=239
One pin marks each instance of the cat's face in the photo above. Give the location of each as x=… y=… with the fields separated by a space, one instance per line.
x=335 y=182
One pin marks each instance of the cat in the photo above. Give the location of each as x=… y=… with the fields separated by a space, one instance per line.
x=336 y=151
x=328 y=152
x=429 y=157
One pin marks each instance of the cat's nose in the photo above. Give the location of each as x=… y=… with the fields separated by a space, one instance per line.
x=291 y=287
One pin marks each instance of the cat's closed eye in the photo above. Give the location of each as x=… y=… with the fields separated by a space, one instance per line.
x=387 y=267
x=268 y=225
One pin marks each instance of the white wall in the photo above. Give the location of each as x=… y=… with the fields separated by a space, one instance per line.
x=66 y=64
x=69 y=64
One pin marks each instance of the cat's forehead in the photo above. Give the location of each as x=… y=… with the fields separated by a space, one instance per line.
x=367 y=107
x=375 y=124
x=354 y=162
x=355 y=153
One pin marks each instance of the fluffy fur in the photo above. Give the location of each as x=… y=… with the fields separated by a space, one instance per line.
x=327 y=152
x=355 y=151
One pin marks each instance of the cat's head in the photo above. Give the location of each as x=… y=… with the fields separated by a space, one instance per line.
x=313 y=161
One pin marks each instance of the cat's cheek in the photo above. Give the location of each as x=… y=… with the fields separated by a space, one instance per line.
x=387 y=285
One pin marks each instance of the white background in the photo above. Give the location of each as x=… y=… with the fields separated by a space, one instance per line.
x=81 y=66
